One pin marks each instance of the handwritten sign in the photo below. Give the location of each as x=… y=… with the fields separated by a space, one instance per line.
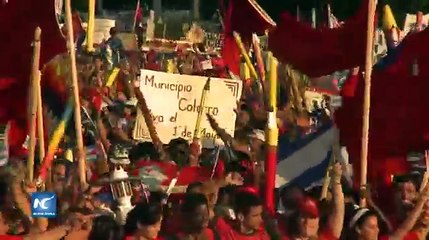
x=174 y=102
x=102 y=28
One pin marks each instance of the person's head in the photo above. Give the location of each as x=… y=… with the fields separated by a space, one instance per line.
x=98 y=62
x=194 y=187
x=406 y=190
x=195 y=212
x=13 y=221
x=179 y=150
x=80 y=218
x=59 y=171
x=143 y=151
x=113 y=31
x=59 y=175
x=226 y=195
x=105 y=228
x=257 y=139
x=290 y=196
x=210 y=189
x=248 y=210
x=364 y=225
x=305 y=221
x=144 y=220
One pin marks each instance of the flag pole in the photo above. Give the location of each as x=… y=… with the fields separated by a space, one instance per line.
x=77 y=116
x=32 y=97
x=367 y=100
x=40 y=124
x=272 y=137
x=136 y=13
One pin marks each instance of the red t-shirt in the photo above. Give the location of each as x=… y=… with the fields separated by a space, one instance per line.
x=207 y=232
x=409 y=236
x=10 y=237
x=324 y=235
x=226 y=232
x=133 y=238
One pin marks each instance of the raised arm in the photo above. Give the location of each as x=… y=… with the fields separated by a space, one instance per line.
x=412 y=218
x=336 y=219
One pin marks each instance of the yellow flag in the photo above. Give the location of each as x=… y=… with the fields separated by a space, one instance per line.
x=112 y=77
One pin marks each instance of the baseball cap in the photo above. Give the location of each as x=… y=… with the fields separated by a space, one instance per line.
x=308 y=208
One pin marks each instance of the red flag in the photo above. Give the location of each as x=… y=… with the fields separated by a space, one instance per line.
x=318 y=52
x=19 y=18
x=190 y=175
x=398 y=116
x=138 y=15
x=245 y=17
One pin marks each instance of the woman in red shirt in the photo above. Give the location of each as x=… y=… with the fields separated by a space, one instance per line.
x=144 y=222
x=364 y=226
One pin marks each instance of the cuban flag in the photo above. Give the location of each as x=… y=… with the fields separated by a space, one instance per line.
x=304 y=161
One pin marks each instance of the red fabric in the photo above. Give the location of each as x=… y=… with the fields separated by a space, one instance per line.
x=138 y=15
x=209 y=235
x=77 y=25
x=226 y=232
x=95 y=98
x=133 y=238
x=237 y=18
x=8 y=237
x=19 y=18
x=409 y=236
x=324 y=235
x=318 y=52
x=398 y=116
x=193 y=174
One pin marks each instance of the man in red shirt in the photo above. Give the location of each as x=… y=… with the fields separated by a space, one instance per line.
x=195 y=218
x=248 y=220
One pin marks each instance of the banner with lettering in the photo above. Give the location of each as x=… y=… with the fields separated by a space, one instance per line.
x=174 y=101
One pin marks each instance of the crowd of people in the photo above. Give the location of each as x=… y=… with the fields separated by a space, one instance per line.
x=228 y=205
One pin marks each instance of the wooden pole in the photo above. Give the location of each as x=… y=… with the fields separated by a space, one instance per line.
x=33 y=103
x=367 y=98
x=77 y=116
x=40 y=125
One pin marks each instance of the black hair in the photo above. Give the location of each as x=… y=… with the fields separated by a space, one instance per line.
x=157 y=197
x=414 y=178
x=113 y=31
x=143 y=150
x=352 y=234
x=179 y=155
x=105 y=228
x=192 y=201
x=191 y=187
x=143 y=213
x=227 y=192
x=244 y=201
x=286 y=195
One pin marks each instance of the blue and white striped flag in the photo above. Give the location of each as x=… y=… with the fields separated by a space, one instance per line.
x=304 y=161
